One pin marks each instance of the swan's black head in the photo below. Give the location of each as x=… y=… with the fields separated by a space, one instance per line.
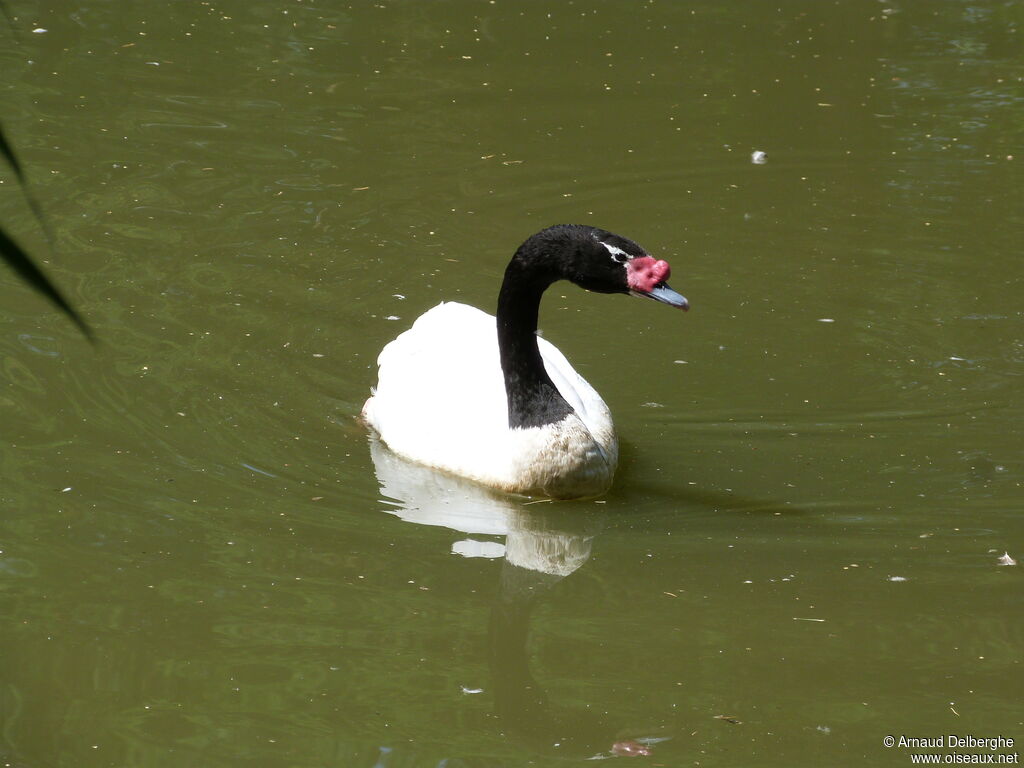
x=599 y=261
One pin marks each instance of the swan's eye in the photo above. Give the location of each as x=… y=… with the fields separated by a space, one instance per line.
x=619 y=256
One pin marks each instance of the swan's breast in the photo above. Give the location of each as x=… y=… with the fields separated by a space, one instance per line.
x=563 y=460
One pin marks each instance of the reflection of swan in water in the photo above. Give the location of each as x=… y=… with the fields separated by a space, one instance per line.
x=423 y=495
x=544 y=543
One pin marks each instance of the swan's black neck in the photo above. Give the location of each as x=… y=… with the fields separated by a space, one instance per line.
x=533 y=399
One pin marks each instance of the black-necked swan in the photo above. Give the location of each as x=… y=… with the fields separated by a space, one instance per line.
x=495 y=403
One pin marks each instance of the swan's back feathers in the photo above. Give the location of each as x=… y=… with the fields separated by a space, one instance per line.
x=440 y=400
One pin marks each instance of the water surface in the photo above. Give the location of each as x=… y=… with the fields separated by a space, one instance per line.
x=206 y=561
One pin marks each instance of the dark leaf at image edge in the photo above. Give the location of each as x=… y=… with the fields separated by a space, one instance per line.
x=22 y=263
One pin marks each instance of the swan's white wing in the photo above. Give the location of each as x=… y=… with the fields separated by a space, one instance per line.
x=440 y=392
x=576 y=390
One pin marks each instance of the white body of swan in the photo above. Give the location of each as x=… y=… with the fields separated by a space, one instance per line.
x=440 y=400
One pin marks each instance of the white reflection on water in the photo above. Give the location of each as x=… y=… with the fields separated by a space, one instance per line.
x=532 y=540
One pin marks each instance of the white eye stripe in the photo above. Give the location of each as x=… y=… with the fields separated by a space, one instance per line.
x=618 y=254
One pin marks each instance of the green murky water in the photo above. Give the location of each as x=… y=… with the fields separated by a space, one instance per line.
x=206 y=562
